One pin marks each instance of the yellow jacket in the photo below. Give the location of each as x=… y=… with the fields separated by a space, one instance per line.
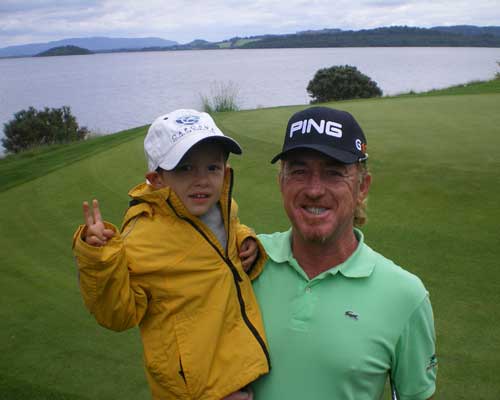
x=200 y=324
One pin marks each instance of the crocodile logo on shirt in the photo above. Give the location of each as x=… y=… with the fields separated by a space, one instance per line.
x=351 y=314
x=432 y=362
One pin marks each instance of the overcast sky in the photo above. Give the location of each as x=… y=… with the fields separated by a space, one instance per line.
x=34 y=21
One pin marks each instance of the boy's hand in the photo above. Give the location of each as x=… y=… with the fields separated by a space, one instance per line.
x=96 y=233
x=246 y=394
x=249 y=252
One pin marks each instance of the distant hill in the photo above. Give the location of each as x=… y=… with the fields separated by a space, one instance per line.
x=396 y=36
x=64 y=51
x=393 y=36
x=95 y=44
x=470 y=30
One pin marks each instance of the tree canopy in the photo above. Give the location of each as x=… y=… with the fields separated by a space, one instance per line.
x=31 y=128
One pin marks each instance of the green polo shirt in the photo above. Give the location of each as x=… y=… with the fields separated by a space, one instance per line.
x=337 y=336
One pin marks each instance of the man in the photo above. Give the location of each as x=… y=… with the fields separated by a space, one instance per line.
x=340 y=318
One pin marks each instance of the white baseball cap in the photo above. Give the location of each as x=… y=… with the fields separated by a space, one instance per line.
x=171 y=136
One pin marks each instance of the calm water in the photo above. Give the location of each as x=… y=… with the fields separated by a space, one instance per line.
x=111 y=92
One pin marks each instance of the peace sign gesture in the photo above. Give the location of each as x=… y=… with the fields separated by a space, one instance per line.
x=96 y=233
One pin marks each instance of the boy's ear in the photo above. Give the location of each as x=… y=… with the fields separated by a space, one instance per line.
x=155 y=179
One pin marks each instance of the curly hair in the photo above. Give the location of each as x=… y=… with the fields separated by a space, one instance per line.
x=360 y=213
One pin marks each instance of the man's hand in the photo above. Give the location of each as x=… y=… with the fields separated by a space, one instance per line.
x=96 y=234
x=249 y=252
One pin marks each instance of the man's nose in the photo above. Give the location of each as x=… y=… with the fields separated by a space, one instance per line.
x=315 y=186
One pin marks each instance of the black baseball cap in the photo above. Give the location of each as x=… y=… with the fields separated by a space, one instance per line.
x=334 y=133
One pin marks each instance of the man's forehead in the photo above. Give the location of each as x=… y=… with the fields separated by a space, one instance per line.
x=306 y=155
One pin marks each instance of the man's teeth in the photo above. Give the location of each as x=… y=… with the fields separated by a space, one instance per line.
x=315 y=210
x=200 y=196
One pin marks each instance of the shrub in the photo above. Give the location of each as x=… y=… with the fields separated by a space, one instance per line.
x=31 y=128
x=341 y=83
x=223 y=97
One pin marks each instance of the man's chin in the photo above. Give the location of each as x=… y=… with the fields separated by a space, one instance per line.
x=315 y=237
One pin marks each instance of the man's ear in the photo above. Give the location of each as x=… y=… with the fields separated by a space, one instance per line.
x=280 y=176
x=155 y=179
x=364 y=186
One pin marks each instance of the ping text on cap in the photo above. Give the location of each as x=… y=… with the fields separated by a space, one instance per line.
x=330 y=128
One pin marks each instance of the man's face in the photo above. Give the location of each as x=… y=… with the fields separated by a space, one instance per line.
x=320 y=195
x=198 y=178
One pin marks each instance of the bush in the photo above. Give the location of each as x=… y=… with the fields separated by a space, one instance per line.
x=223 y=97
x=341 y=83
x=31 y=128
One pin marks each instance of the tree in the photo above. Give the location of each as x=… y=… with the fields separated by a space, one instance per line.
x=341 y=83
x=31 y=128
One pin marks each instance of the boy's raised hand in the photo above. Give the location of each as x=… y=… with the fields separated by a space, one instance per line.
x=96 y=233
x=248 y=253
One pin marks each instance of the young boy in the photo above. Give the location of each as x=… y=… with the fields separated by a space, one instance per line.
x=174 y=268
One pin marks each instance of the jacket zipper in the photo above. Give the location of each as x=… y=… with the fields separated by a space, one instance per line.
x=238 y=278
x=228 y=262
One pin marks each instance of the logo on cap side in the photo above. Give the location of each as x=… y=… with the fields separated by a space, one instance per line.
x=188 y=120
x=330 y=128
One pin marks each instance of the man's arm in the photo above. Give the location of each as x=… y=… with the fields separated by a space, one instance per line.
x=415 y=365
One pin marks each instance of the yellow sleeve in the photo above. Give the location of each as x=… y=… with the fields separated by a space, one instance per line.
x=105 y=283
x=243 y=232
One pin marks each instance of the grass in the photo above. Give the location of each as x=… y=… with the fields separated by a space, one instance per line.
x=23 y=167
x=433 y=209
x=474 y=87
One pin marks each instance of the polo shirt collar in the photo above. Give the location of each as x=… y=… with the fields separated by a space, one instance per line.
x=359 y=265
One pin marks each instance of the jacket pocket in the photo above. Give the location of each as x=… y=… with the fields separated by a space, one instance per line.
x=161 y=355
x=218 y=352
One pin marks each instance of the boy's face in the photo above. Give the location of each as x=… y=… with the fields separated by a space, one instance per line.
x=198 y=178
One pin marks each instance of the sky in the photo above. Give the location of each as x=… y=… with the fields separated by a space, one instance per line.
x=39 y=21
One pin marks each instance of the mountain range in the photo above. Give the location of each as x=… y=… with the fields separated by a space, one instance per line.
x=402 y=36
x=95 y=44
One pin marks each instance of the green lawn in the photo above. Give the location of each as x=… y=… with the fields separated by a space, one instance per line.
x=434 y=208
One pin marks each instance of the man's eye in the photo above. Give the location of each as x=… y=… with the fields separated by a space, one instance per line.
x=298 y=172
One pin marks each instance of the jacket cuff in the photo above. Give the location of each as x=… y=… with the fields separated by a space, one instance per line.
x=258 y=266
x=82 y=249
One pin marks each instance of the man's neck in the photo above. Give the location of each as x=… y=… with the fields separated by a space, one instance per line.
x=315 y=257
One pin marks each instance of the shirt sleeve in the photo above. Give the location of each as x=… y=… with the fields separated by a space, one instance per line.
x=415 y=365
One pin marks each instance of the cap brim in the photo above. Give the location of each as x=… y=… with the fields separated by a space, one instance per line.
x=229 y=144
x=342 y=156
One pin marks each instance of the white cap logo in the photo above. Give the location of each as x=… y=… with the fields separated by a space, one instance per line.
x=188 y=120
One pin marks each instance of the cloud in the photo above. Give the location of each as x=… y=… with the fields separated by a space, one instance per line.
x=24 y=21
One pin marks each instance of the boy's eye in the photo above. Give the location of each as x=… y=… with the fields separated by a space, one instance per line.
x=214 y=167
x=184 y=168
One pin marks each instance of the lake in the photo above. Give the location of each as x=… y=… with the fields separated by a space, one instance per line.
x=116 y=91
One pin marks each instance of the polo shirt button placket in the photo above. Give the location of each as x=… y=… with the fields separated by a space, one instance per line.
x=308 y=289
